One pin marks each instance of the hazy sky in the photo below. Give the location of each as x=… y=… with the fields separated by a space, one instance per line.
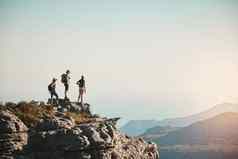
x=143 y=59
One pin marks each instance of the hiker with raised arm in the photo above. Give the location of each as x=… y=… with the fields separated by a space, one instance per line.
x=82 y=89
x=65 y=80
x=51 y=88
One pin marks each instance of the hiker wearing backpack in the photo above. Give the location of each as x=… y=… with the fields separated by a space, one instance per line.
x=82 y=89
x=51 y=88
x=65 y=80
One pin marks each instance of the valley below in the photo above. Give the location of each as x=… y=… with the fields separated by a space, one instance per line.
x=212 y=134
x=210 y=151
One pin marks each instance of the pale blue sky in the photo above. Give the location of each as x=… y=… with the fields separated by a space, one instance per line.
x=142 y=59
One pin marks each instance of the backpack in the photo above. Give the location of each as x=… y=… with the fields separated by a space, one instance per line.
x=78 y=82
x=49 y=88
x=64 y=78
x=81 y=83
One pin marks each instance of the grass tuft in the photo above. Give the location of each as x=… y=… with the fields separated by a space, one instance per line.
x=32 y=113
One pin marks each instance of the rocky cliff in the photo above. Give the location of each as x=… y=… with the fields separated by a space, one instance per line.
x=38 y=131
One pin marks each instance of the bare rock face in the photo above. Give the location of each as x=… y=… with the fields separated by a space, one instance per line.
x=58 y=121
x=13 y=135
x=60 y=137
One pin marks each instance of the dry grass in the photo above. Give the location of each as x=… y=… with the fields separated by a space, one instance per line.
x=31 y=114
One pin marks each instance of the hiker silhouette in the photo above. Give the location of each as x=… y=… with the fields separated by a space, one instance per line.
x=82 y=89
x=65 y=78
x=51 y=89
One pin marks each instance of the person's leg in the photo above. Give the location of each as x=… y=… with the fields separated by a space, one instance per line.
x=66 y=90
x=51 y=97
x=82 y=98
x=56 y=96
x=79 y=97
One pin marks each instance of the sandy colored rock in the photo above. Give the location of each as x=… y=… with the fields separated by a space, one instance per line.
x=59 y=137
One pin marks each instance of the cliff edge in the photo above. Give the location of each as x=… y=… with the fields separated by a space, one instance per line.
x=36 y=130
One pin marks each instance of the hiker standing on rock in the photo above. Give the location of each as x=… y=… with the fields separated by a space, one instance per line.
x=65 y=80
x=51 y=88
x=82 y=89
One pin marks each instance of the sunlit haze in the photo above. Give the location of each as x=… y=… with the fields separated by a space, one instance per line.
x=142 y=59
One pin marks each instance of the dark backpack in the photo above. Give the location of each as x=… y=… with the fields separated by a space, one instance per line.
x=81 y=83
x=49 y=87
x=64 y=78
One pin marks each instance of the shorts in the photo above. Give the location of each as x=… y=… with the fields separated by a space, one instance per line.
x=82 y=90
x=66 y=86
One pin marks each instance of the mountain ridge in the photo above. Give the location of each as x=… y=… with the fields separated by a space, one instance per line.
x=221 y=129
x=187 y=120
x=213 y=138
x=180 y=121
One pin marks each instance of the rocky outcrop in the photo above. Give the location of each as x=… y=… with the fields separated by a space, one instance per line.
x=13 y=135
x=57 y=121
x=63 y=105
x=61 y=137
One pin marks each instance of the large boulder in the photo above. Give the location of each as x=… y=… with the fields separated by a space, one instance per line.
x=13 y=134
x=56 y=121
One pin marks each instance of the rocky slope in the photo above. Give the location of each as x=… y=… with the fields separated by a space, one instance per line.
x=38 y=131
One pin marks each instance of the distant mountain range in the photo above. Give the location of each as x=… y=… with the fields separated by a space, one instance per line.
x=138 y=127
x=214 y=138
x=221 y=129
x=185 y=121
x=157 y=132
